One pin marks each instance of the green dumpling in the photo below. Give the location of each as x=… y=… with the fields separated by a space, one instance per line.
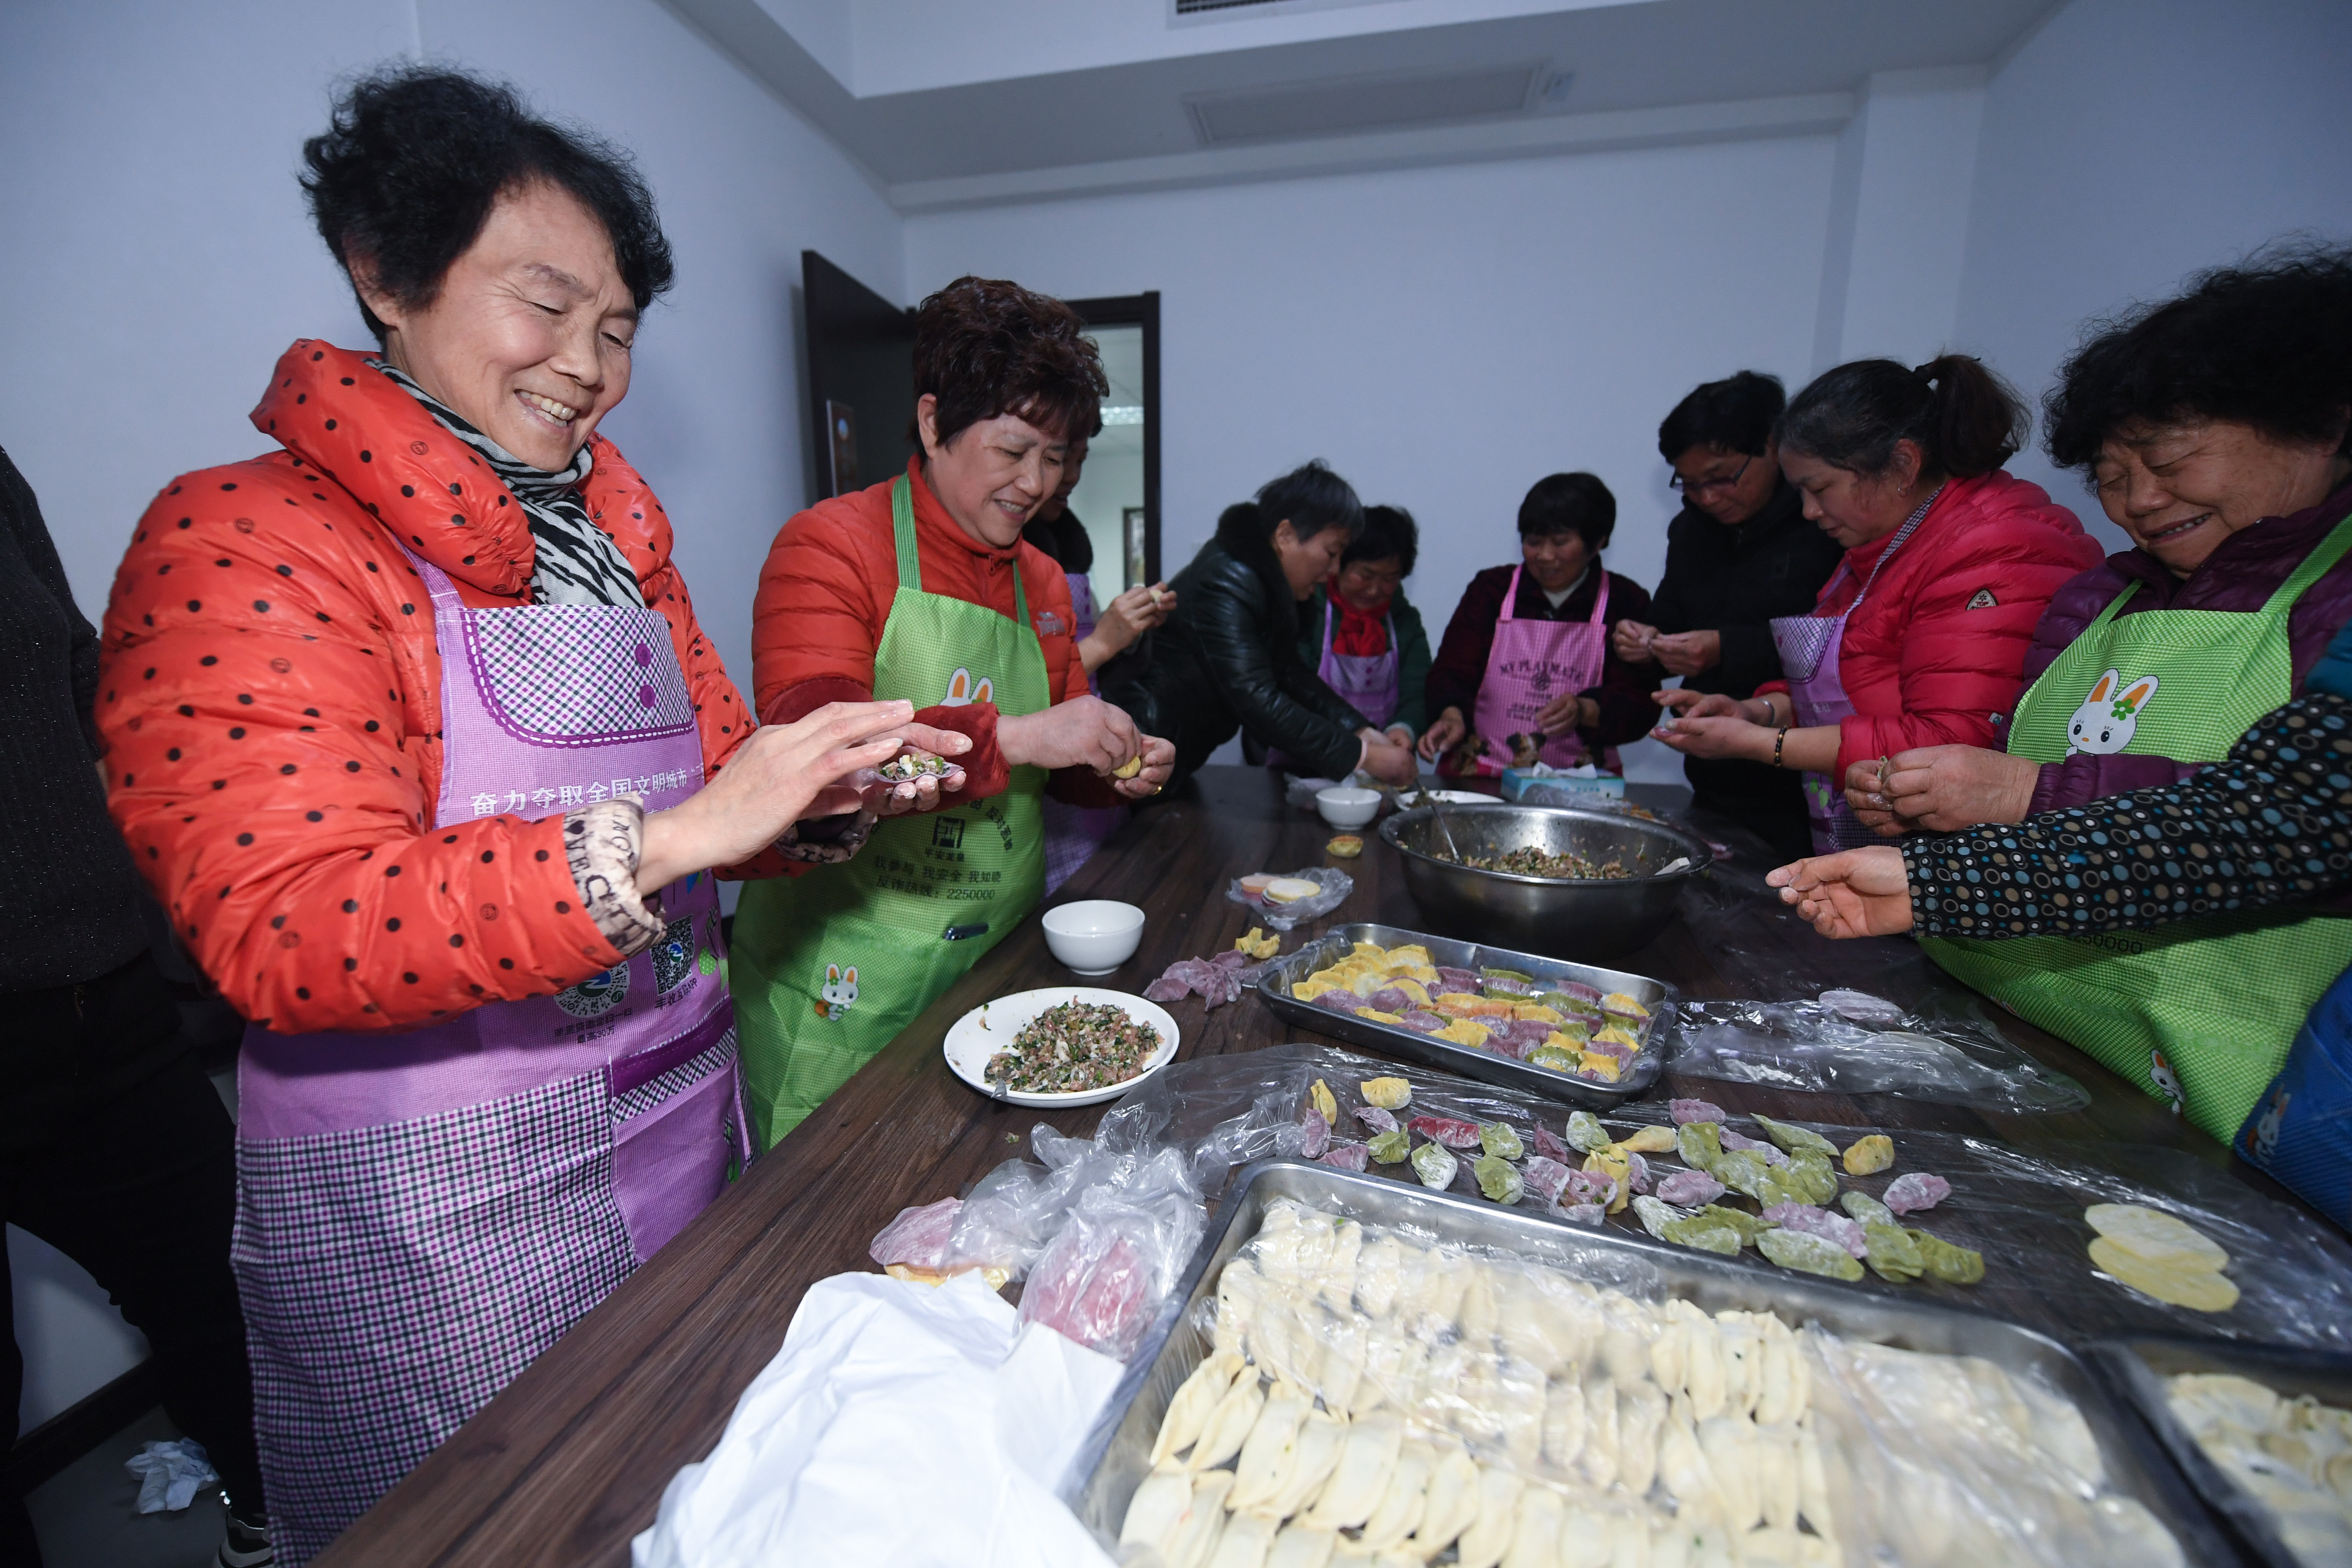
x=1585 y=1131
x=1499 y=1179
x=1698 y=1231
x=1749 y=1226
x=1893 y=1254
x=1501 y=1139
x=1700 y=1145
x=1742 y=1171
x=1866 y=1209
x=1792 y=1139
x=1809 y=1253
x=1809 y=1171
x=1947 y=1261
x=1391 y=1147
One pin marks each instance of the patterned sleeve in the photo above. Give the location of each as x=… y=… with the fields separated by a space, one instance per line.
x=2272 y=825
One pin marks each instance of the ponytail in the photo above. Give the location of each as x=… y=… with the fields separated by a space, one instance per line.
x=1964 y=419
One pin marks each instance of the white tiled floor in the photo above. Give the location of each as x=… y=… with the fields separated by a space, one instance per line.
x=86 y=1517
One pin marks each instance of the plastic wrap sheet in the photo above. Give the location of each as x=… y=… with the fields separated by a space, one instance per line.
x=2021 y=1208
x=1336 y=885
x=1948 y=1050
x=1383 y=1388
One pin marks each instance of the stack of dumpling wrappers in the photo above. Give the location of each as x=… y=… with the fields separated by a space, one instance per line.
x=1372 y=1399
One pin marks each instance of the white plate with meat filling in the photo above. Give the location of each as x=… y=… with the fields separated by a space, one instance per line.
x=1062 y=1046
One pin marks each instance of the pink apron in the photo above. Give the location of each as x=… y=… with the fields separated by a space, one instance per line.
x=1808 y=646
x=420 y=1214
x=1533 y=662
x=1368 y=682
x=1073 y=833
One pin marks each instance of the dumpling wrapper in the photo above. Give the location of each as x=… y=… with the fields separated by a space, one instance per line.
x=1452 y=1505
x=1271 y=1447
x=1320 y=1440
x=1198 y=1396
x=1640 y=1417
x=1535 y=1533
x=1599 y=1460
x=1161 y=1502
x=1729 y=1443
x=1195 y=1537
x=1365 y=1462
x=1228 y=1426
x=1775 y=1455
x=1247 y=1539
x=1489 y=1535
x=2156 y=1236
x=2182 y=1284
x=1301 y=1546
x=1398 y=1513
x=1564 y=1421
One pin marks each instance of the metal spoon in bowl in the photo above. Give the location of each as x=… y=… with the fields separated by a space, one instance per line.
x=1435 y=810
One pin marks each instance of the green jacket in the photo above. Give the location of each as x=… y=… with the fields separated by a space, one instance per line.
x=1412 y=656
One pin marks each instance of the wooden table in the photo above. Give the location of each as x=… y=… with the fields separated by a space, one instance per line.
x=570 y=1461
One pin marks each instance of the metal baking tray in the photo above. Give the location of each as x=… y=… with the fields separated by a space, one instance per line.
x=1486 y=1067
x=2134 y=1371
x=1115 y=1454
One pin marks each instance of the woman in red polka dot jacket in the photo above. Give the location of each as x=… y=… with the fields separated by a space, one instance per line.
x=411 y=727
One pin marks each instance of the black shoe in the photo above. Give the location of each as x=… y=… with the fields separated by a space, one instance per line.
x=247 y=1543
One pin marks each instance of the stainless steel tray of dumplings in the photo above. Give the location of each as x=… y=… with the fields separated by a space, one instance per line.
x=1389 y=1039
x=1115 y=1454
x=2135 y=1369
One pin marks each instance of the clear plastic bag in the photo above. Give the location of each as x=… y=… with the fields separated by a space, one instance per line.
x=1948 y=1051
x=1336 y=885
x=1419 y=1395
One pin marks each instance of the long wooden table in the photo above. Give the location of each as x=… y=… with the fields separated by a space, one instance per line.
x=570 y=1461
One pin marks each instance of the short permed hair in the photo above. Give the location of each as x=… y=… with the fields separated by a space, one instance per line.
x=984 y=347
x=414 y=159
x=2267 y=345
x=1571 y=503
x=1733 y=414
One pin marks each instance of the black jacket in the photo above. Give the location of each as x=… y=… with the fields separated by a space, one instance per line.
x=1228 y=659
x=1734 y=579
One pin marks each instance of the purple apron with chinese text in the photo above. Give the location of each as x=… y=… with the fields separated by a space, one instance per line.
x=1808 y=646
x=1533 y=663
x=1073 y=833
x=420 y=1214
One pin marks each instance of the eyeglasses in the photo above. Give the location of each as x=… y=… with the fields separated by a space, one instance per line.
x=1700 y=487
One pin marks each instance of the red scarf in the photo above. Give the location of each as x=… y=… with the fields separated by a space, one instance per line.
x=1361 y=632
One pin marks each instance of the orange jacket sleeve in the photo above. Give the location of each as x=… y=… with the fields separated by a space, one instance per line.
x=270 y=713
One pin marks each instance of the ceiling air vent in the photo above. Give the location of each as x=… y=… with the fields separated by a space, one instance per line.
x=1363 y=104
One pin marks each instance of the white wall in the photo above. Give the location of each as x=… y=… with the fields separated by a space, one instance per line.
x=1444 y=337
x=159 y=258
x=2129 y=143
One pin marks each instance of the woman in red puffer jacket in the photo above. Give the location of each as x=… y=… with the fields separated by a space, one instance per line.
x=410 y=726
x=1919 y=637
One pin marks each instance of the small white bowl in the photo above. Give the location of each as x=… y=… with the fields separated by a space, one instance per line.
x=1344 y=807
x=1094 y=936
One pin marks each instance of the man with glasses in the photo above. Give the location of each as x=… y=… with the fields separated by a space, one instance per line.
x=1739 y=553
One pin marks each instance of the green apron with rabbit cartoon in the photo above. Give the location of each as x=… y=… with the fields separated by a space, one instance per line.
x=828 y=967
x=2200 y=1012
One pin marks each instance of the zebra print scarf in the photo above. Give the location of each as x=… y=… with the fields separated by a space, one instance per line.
x=576 y=562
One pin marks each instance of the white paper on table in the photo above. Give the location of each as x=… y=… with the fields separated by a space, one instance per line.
x=899 y=1423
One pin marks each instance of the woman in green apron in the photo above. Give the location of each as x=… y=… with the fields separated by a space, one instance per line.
x=921 y=588
x=2215 y=428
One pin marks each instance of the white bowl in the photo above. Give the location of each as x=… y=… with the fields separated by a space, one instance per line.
x=1094 y=936
x=1344 y=807
x=980 y=1034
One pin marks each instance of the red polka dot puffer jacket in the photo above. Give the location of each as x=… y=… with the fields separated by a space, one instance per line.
x=270 y=698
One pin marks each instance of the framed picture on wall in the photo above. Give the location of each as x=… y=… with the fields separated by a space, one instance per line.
x=1139 y=555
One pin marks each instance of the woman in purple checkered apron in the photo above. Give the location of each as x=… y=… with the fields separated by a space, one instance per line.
x=492 y=1063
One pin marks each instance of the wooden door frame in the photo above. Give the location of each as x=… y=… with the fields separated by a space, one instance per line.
x=1138 y=311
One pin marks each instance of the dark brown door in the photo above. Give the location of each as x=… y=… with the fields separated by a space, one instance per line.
x=861 y=379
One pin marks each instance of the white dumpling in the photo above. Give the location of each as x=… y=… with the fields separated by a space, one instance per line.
x=1729 y=1442
x=1771 y=1548
x=1564 y=1420
x=1776 y=1476
x=1599 y=1460
x=1271 y=1449
x=1588 y=1533
x=1479 y=1315
x=1482 y=1546
x=1377 y=1275
x=1320 y=1438
x=1812 y=1483
x=1519 y=1397
x=1367 y=1460
x=1247 y=1539
x=1195 y=1537
x=1161 y=1502
x=1535 y=1533
x=1641 y=1416
x=1317 y=1237
x=1452 y=1505
x=1398 y=1512
x=1449 y=1275
x=1682 y=1463
x=1336 y=1280
x=1341 y=1364
x=1188 y=1412
x=1742 y=1370
x=1776 y=1394
x=1670 y=1357
x=1703 y=1371
x=1300 y=1546
x=1228 y=1426
x=1237 y=1297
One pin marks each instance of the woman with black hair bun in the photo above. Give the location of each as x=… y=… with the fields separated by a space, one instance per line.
x=412 y=727
x=1920 y=636
x=1739 y=554
x=1527 y=671
x=1228 y=658
x=1360 y=633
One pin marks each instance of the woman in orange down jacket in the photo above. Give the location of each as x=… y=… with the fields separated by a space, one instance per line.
x=410 y=725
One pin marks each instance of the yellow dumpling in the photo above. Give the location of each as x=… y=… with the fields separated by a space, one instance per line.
x=1313 y=986
x=1414 y=989
x=1618 y=1035
x=1462 y=1032
x=1539 y=1012
x=1369 y=949
x=1377 y=1016
x=1600 y=1062
x=1412 y=950
x=1456 y=1001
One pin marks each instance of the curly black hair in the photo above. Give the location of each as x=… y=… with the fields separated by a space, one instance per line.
x=2267 y=343
x=415 y=158
x=984 y=347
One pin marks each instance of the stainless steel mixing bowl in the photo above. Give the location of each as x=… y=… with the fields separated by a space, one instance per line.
x=1580 y=920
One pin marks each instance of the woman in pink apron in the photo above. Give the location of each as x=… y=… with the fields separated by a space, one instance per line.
x=1922 y=631
x=1073 y=833
x=412 y=727
x=1527 y=657
x=1359 y=633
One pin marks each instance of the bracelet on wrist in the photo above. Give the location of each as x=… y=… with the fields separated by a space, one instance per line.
x=1780 y=740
